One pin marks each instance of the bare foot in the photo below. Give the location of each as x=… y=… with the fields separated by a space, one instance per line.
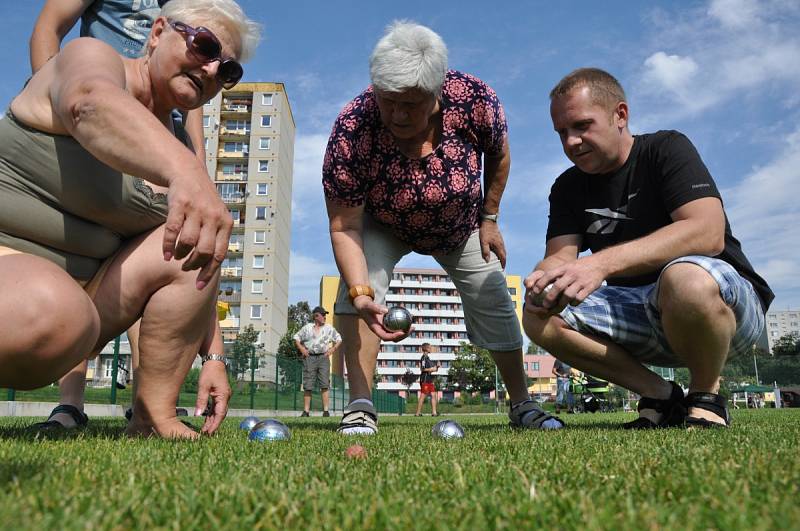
x=166 y=429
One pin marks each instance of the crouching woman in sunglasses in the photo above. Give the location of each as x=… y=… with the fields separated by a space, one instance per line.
x=105 y=217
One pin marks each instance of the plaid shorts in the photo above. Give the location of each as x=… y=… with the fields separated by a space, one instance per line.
x=630 y=317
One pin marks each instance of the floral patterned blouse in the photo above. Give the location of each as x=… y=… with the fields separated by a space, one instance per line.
x=432 y=203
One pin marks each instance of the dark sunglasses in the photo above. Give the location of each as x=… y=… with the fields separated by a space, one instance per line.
x=205 y=47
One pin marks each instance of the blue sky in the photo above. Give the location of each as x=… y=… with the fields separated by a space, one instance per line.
x=724 y=72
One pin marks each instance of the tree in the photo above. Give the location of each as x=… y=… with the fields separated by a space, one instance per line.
x=787 y=345
x=288 y=356
x=299 y=314
x=242 y=351
x=473 y=369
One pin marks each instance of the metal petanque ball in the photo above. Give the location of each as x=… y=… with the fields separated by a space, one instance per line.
x=397 y=318
x=270 y=430
x=448 y=429
x=248 y=423
x=538 y=299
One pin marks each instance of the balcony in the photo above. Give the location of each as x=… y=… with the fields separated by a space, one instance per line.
x=237 y=133
x=231 y=272
x=234 y=298
x=231 y=108
x=233 y=154
x=231 y=176
x=230 y=322
x=235 y=247
x=233 y=199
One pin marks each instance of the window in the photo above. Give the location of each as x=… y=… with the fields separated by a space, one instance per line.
x=236 y=215
x=512 y=291
x=255 y=311
x=108 y=368
x=266 y=121
x=260 y=236
x=258 y=261
x=206 y=143
x=237 y=125
x=263 y=166
x=535 y=365
x=261 y=189
x=266 y=99
x=263 y=143
x=235 y=147
x=206 y=121
x=526 y=367
x=257 y=286
x=261 y=212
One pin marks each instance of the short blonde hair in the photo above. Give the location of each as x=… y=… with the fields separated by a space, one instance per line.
x=604 y=88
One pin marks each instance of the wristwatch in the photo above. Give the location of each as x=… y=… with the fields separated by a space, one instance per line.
x=214 y=357
x=360 y=289
x=489 y=217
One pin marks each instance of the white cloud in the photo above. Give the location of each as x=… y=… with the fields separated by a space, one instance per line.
x=672 y=71
x=734 y=13
x=308 y=204
x=765 y=215
x=305 y=275
x=703 y=58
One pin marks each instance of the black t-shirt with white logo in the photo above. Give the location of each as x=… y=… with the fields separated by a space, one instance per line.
x=662 y=173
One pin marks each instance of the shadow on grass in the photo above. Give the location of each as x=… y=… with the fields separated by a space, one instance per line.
x=97 y=428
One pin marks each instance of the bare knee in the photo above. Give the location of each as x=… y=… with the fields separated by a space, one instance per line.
x=689 y=290
x=545 y=332
x=61 y=327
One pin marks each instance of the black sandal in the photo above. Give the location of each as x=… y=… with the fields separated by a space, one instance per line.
x=672 y=409
x=716 y=404
x=81 y=419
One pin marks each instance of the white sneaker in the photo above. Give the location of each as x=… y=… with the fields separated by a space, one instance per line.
x=359 y=419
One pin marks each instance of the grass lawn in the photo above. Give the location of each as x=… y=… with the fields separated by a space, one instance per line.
x=590 y=476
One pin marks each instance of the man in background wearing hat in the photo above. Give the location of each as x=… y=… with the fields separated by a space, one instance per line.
x=317 y=341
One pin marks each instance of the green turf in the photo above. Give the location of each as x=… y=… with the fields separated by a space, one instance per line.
x=590 y=476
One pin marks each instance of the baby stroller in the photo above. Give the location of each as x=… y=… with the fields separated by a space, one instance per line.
x=592 y=395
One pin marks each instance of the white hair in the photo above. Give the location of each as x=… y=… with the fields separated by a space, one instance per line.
x=409 y=56
x=226 y=12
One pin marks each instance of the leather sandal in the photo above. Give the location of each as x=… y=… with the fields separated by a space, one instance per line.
x=716 y=404
x=81 y=419
x=672 y=409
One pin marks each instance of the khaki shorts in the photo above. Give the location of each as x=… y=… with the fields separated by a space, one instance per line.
x=489 y=313
x=316 y=369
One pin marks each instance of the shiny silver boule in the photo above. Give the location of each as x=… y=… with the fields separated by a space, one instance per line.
x=397 y=318
x=270 y=430
x=248 y=423
x=448 y=429
x=538 y=299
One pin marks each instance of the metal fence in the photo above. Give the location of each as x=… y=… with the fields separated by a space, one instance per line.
x=269 y=383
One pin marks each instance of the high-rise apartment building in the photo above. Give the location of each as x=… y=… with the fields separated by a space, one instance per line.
x=435 y=305
x=781 y=323
x=249 y=141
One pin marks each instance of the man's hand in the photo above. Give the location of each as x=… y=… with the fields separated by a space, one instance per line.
x=372 y=314
x=213 y=383
x=492 y=241
x=572 y=283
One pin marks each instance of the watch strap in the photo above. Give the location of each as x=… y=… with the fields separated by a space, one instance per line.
x=214 y=357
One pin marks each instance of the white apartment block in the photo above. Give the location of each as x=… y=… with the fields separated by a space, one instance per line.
x=781 y=323
x=249 y=141
x=438 y=318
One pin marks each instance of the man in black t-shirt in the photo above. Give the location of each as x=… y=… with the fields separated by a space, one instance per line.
x=666 y=282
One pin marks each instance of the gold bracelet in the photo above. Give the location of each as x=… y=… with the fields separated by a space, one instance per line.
x=360 y=289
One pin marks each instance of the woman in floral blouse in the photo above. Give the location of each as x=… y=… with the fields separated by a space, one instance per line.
x=402 y=173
